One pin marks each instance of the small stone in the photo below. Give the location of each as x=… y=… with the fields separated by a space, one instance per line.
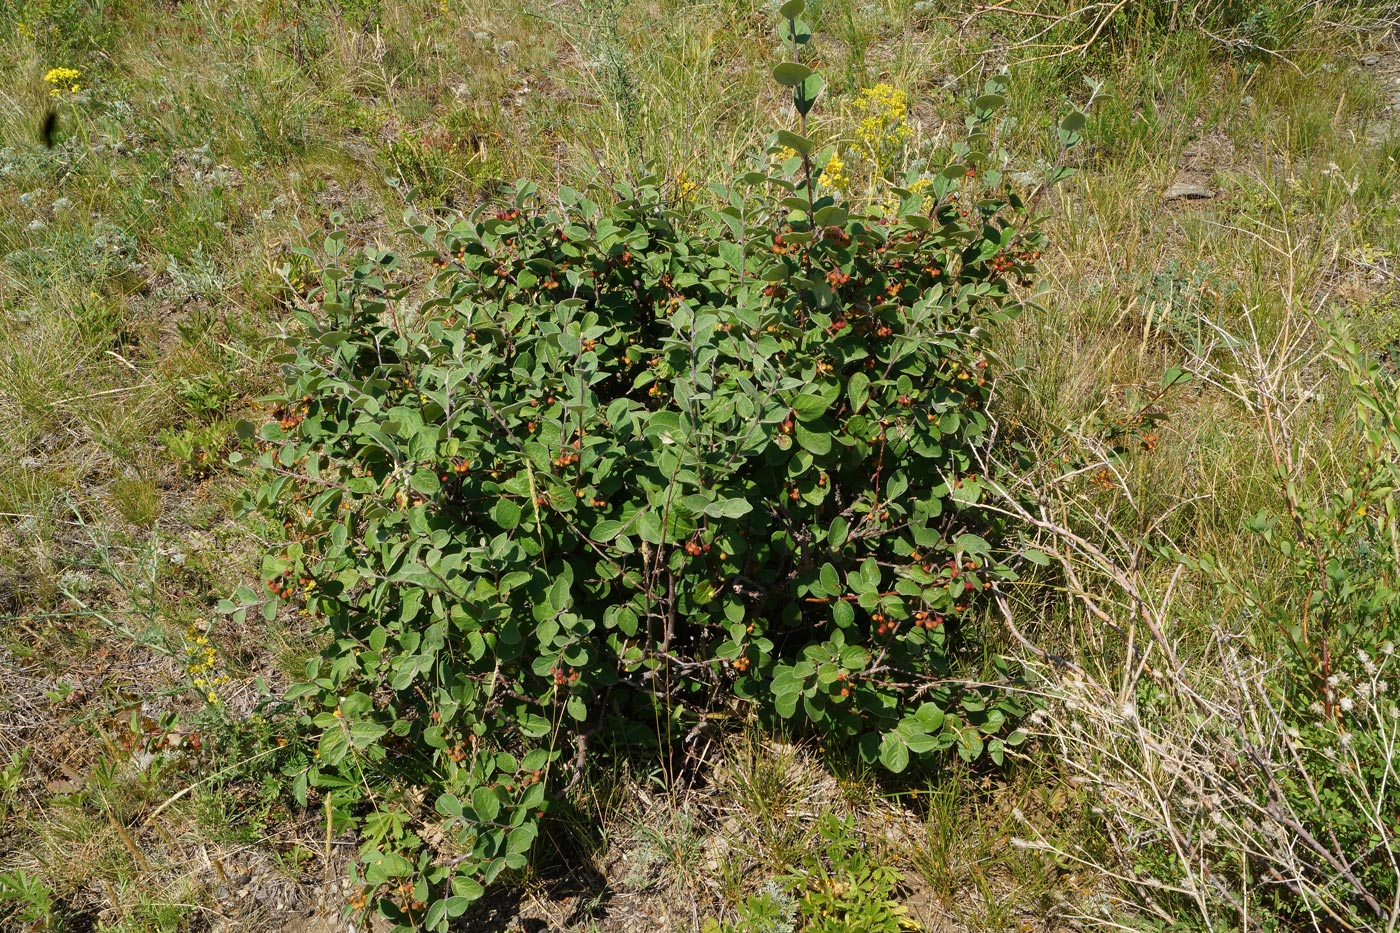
x=1370 y=59
x=1188 y=192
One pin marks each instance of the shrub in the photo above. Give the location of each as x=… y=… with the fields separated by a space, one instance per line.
x=630 y=458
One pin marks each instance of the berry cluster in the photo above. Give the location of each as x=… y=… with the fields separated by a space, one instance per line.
x=925 y=620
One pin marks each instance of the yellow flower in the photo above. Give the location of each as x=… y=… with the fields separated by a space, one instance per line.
x=882 y=126
x=64 y=81
x=834 y=175
x=685 y=187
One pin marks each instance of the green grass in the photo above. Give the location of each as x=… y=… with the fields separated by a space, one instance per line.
x=146 y=265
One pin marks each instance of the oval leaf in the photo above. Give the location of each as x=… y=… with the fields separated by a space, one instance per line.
x=817 y=442
x=506 y=513
x=791 y=74
x=858 y=391
x=799 y=144
x=805 y=94
x=894 y=754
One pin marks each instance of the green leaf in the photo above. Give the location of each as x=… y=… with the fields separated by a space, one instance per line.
x=1175 y=376
x=920 y=742
x=870 y=574
x=1036 y=556
x=792 y=9
x=817 y=442
x=799 y=144
x=794 y=30
x=1074 y=122
x=627 y=621
x=989 y=102
x=894 y=754
x=791 y=74
x=425 y=482
x=506 y=514
x=836 y=536
x=532 y=725
x=607 y=529
x=560 y=595
x=858 y=391
x=364 y=734
x=467 y=892
x=969 y=745
x=538 y=454
x=809 y=406
x=333 y=746
x=486 y=804
x=520 y=839
x=805 y=94
x=973 y=544
x=649 y=527
x=729 y=508
x=785 y=679
x=929 y=716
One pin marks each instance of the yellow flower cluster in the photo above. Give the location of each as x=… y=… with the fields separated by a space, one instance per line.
x=834 y=175
x=201 y=659
x=64 y=81
x=882 y=112
x=685 y=187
